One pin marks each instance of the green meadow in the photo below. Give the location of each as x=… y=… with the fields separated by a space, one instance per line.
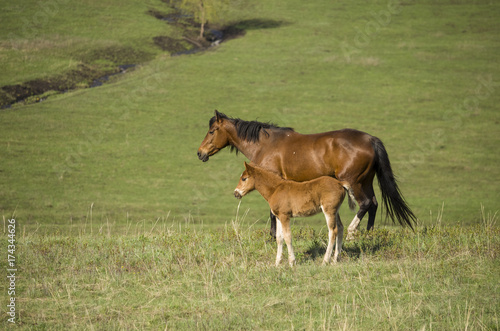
x=120 y=226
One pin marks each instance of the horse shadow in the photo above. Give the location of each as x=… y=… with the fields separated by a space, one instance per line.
x=351 y=250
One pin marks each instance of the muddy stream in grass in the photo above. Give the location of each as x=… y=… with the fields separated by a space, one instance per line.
x=125 y=59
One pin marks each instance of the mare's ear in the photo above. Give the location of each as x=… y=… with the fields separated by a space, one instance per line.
x=218 y=116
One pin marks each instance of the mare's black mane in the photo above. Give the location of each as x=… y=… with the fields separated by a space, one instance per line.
x=250 y=130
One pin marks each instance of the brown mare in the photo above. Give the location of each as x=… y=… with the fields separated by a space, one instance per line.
x=348 y=155
x=288 y=198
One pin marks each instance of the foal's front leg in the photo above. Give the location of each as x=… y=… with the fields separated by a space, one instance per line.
x=283 y=225
x=279 y=241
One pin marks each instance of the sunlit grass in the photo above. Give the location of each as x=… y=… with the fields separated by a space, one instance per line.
x=182 y=276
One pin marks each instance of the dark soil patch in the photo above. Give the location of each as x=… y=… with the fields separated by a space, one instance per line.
x=190 y=41
x=176 y=18
x=171 y=45
x=100 y=64
x=157 y=14
x=84 y=74
x=213 y=35
x=116 y=55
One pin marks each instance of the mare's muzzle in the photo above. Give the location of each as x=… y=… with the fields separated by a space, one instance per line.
x=203 y=156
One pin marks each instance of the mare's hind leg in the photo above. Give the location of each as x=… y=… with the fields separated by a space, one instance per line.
x=332 y=232
x=371 y=213
x=365 y=198
x=272 y=232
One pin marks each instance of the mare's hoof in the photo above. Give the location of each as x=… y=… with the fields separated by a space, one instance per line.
x=350 y=236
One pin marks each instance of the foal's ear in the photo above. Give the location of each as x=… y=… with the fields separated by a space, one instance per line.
x=247 y=167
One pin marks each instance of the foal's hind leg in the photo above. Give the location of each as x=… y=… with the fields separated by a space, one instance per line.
x=340 y=236
x=332 y=232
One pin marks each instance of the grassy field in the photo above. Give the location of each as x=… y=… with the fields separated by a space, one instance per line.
x=128 y=149
x=119 y=225
x=185 y=277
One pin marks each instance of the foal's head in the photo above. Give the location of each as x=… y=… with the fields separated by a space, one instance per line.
x=246 y=183
x=216 y=138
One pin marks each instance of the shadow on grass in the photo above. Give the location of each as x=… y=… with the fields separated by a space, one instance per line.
x=259 y=23
x=366 y=243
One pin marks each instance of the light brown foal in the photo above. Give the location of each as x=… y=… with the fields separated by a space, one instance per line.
x=288 y=199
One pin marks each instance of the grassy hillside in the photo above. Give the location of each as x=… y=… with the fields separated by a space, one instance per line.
x=43 y=39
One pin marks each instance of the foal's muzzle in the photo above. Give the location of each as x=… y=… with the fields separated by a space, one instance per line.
x=237 y=195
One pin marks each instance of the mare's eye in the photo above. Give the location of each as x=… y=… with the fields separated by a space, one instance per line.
x=211 y=132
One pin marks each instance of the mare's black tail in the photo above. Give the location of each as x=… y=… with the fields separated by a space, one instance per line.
x=394 y=202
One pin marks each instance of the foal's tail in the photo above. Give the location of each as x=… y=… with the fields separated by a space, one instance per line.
x=351 y=200
x=394 y=202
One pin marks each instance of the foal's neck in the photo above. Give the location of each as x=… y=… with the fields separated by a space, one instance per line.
x=266 y=182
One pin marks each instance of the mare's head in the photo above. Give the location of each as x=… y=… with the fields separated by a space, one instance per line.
x=216 y=138
x=246 y=183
